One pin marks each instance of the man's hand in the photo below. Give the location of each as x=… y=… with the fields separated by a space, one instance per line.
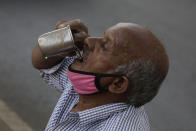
x=79 y=31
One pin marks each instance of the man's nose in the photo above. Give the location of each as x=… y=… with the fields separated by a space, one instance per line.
x=92 y=41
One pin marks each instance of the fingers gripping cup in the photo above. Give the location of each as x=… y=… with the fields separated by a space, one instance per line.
x=54 y=42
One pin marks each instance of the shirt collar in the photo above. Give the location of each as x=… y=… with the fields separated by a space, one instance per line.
x=100 y=112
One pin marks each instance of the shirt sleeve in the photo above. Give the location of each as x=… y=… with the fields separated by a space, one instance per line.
x=57 y=76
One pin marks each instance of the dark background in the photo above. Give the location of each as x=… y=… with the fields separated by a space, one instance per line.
x=173 y=21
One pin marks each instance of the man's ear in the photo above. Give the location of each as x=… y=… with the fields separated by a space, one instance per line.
x=119 y=85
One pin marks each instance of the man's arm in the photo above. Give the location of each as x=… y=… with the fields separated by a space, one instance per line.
x=80 y=32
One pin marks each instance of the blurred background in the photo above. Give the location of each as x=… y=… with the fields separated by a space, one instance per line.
x=25 y=94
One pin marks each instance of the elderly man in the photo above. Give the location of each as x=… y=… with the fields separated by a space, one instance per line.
x=107 y=88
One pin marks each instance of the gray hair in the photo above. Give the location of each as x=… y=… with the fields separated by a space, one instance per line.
x=144 y=80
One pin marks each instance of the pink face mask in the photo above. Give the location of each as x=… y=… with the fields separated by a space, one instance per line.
x=86 y=82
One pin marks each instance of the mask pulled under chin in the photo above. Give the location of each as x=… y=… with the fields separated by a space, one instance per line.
x=86 y=82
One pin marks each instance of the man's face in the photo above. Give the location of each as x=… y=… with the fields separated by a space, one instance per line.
x=103 y=54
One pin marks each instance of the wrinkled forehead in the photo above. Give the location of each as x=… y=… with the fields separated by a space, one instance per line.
x=126 y=27
x=115 y=28
x=123 y=26
x=120 y=32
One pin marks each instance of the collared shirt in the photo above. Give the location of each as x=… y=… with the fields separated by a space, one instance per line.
x=109 y=117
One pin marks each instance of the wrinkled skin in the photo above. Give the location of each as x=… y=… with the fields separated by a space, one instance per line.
x=122 y=43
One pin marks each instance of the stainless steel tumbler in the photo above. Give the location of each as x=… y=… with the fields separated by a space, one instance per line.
x=54 y=42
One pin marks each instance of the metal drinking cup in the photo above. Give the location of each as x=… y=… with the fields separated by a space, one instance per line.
x=54 y=42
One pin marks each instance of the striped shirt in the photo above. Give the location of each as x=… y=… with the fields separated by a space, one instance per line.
x=109 y=117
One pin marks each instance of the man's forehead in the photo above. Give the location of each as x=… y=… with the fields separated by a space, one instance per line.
x=126 y=26
x=112 y=30
x=126 y=30
x=116 y=28
x=122 y=25
x=119 y=30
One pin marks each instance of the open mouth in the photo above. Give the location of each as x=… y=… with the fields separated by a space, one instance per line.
x=82 y=54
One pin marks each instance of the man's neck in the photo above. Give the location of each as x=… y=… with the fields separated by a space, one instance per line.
x=91 y=101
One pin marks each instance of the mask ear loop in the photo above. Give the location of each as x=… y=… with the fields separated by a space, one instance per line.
x=98 y=85
x=97 y=81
